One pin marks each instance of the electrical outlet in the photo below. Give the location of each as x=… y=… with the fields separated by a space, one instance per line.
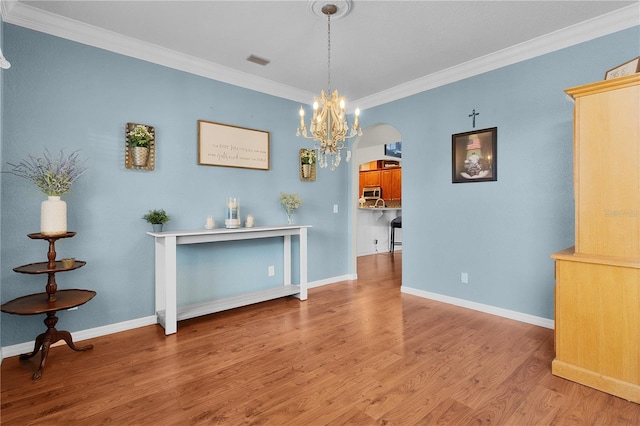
x=335 y=208
x=272 y=270
x=464 y=278
x=375 y=241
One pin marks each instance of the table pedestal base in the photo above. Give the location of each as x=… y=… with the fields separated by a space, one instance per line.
x=48 y=338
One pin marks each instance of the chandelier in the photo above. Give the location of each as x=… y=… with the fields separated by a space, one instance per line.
x=329 y=127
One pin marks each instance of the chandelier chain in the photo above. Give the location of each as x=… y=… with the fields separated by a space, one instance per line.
x=329 y=51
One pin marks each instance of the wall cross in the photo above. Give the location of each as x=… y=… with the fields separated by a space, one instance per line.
x=474 y=114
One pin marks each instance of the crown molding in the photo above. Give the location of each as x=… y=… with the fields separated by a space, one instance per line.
x=6 y=6
x=609 y=23
x=20 y=14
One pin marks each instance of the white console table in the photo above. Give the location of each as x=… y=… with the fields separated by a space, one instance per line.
x=167 y=311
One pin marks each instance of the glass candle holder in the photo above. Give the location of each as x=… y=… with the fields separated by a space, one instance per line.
x=232 y=219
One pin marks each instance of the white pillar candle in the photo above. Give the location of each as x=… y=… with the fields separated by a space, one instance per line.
x=210 y=223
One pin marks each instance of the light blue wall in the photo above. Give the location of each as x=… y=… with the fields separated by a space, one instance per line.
x=501 y=233
x=61 y=94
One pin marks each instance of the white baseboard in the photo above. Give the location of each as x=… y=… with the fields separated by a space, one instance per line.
x=369 y=253
x=505 y=313
x=78 y=336
x=333 y=280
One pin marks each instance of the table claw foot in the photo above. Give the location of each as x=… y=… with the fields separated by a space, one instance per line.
x=43 y=359
x=37 y=375
x=36 y=348
x=66 y=336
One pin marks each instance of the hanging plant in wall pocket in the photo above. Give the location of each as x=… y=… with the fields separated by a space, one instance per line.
x=139 y=146
x=307 y=164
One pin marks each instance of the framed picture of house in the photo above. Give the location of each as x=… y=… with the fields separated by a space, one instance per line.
x=232 y=146
x=474 y=156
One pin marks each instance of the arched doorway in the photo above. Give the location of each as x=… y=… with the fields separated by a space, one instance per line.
x=366 y=148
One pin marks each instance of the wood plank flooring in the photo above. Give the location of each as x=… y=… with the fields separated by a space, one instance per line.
x=356 y=353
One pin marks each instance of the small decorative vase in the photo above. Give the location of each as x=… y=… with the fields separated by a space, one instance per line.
x=157 y=227
x=290 y=218
x=53 y=216
x=306 y=170
x=140 y=155
x=67 y=263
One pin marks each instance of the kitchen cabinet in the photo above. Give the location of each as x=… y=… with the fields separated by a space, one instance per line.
x=391 y=183
x=369 y=178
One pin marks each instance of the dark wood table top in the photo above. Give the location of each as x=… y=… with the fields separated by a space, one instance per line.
x=38 y=304
x=39 y=236
x=43 y=267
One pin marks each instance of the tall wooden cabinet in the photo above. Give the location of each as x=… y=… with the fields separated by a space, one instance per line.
x=597 y=311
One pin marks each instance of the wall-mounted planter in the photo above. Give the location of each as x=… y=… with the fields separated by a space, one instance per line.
x=307 y=164
x=138 y=157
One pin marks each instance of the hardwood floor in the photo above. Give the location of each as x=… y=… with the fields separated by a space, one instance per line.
x=357 y=352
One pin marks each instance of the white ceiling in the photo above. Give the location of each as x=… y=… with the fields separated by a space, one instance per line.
x=380 y=51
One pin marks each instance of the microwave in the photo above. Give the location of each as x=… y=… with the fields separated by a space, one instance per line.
x=371 y=192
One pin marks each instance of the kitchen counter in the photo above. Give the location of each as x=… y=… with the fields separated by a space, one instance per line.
x=380 y=208
x=387 y=213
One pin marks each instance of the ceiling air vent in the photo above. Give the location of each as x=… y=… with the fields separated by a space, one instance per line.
x=257 y=60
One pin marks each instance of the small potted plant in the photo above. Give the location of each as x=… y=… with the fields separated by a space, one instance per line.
x=307 y=158
x=157 y=218
x=140 y=138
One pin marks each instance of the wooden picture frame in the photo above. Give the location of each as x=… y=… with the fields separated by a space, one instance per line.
x=628 y=68
x=232 y=146
x=474 y=156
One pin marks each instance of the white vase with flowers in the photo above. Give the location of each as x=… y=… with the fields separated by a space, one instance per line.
x=54 y=176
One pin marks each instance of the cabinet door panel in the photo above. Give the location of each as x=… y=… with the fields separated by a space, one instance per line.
x=396 y=184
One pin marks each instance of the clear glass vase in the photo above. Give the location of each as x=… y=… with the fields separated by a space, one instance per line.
x=232 y=219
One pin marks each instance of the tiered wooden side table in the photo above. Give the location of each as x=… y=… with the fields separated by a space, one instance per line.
x=50 y=302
